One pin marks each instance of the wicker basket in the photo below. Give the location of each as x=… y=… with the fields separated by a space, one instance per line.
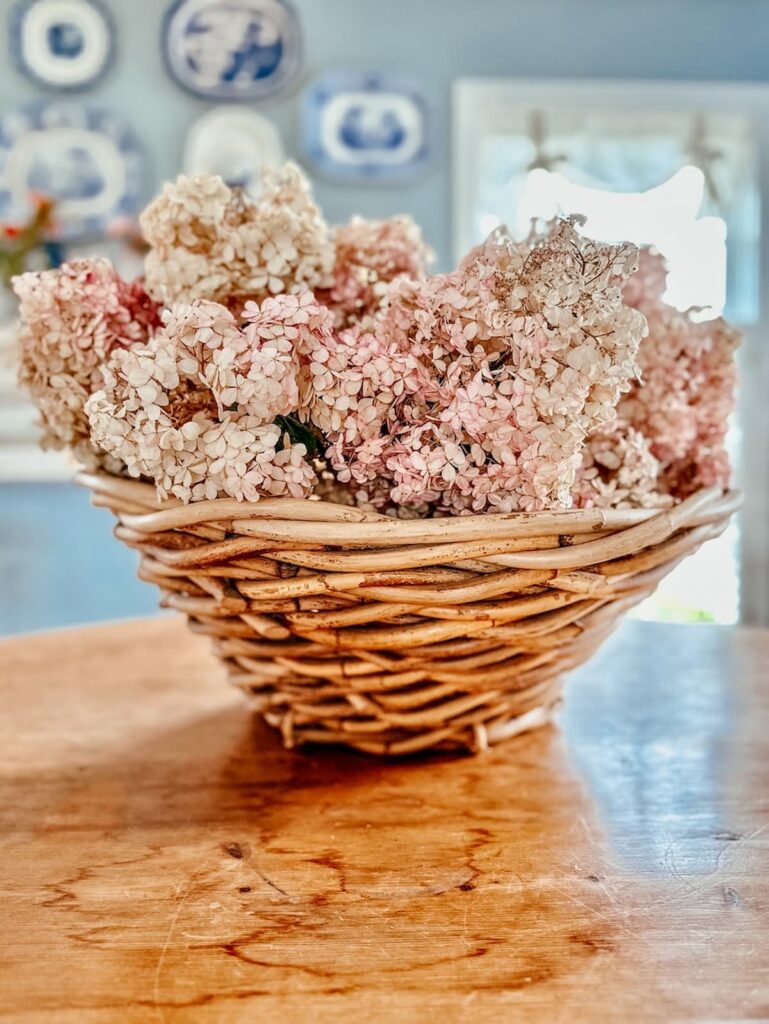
x=394 y=636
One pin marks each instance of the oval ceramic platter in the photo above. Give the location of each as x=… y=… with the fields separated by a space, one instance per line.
x=62 y=44
x=365 y=127
x=87 y=159
x=232 y=50
x=235 y=143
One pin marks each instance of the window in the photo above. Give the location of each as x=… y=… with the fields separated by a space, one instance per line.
x=676 y=166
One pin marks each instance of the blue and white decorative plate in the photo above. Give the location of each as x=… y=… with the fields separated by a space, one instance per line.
x=62 y=44
x=232 y=49
x=365 y=127
x=235 y=143
x=85 y=158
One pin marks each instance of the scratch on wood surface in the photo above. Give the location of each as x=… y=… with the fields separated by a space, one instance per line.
x=270 y=884
x=169 y=936
x=713 y=877
x=669 y=861
x=597 y=843
x=600 y=916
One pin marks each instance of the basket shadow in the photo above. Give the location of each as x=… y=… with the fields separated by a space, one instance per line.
x=225 y=768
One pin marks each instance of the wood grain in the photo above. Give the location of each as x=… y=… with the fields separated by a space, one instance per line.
x=162 y=858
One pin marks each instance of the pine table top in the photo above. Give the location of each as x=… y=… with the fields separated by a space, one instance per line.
x=163 y=859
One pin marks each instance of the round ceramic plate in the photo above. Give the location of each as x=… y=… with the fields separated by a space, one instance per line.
x=232 y=49
x=87 y=159
x=365 y=127
x=62 y=44
x=234 y=143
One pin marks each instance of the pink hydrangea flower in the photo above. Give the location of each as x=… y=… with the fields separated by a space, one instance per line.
x=195 y=409
x=686 y=391
x=356 y=384
x=369 y=255
x=518 y=355
x=72 y=319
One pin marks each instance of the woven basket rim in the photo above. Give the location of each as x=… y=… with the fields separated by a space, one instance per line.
x=317 y=510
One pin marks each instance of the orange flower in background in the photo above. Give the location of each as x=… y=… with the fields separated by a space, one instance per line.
x=22 y=244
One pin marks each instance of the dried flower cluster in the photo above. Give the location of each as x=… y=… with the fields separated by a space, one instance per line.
x=669 y=436
x=498 y=370
x=369 y=255
x=72 y=319
x=687 y=388
x=618 y=470
x=195 y=408
x=208 y=241
x=290 y=358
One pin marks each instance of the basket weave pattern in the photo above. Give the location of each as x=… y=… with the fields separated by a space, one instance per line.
x=394 y=636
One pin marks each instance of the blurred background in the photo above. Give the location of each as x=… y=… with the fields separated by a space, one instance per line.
x=650 y=119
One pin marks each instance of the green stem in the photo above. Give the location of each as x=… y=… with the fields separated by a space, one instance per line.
x=302 y=433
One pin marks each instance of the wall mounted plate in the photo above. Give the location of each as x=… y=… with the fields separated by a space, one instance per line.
x=62 y=44
x=85 y=158
x=363 y=127
x=232 y=50
x=233 y=142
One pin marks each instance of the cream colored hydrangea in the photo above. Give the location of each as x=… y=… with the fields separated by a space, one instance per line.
x=618 y=470
x=194 y=410
x=208 y=241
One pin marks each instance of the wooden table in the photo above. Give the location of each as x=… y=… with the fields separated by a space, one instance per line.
x=163 y=859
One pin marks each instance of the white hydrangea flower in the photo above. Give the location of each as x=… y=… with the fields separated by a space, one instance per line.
x=208 y=241
x=194 y=412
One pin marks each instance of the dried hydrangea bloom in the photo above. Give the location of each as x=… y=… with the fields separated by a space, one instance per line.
x=525 y=350
x=72 y=318
x=687 y=388
x=369 y=255
x=194 y=410
x=354 y=384
x=288 y=330
x=618 y=470
x=208 y=241
x=649 y=282
x=245 y=364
